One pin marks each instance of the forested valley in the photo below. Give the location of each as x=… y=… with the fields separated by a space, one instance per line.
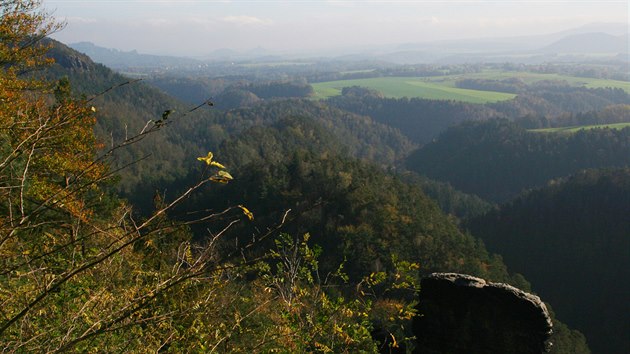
x=239 y=213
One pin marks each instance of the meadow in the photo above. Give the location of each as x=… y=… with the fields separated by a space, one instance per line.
x=398 y=87
x=444 y=87
x=531 y=77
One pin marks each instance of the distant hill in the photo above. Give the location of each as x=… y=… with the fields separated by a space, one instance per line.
x=589 y=43
x=118 y=59
x=506 y=45
x=612 y=28
x=591 y=38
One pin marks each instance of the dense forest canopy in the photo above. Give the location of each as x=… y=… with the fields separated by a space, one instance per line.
x=576 y=229
x=354 y=210
x=498 y=159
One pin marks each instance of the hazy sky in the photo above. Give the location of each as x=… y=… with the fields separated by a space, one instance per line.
x=196 y=27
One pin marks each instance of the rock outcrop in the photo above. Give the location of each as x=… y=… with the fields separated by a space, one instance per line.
x=464 y=314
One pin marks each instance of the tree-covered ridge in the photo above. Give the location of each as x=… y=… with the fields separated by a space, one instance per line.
x=451 y=201
x=549 y=103
x=123 y=111
x=345 y=133
x=362 y=137
x=570 y=239
x=555 y=100
x=420 y=120
x=497 y=159
x=195 y=89
x=609 y=115
x=353 y=209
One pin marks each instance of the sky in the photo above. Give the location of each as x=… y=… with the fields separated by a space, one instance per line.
x=198 y=27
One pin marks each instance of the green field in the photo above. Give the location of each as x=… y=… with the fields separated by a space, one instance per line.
x=529 y=77
x=581 y=127
x=398 y=87
x=444 y=87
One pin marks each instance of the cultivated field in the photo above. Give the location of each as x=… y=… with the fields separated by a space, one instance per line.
x=529 y=77
x=398 y=87
x=444 y=87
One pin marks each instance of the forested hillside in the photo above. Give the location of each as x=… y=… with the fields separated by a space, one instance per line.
x=571 y=239
x=558 y=98
x=537 y=105
x=354 y=210
x=226 y=89
x=123 y=108
x=420 y=120
x=497 y=159
x=609 y=115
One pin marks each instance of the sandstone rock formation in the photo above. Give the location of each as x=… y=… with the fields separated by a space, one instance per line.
x=464 y=314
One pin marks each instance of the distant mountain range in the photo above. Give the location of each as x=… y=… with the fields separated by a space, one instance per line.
x=118 y=59
x=608 y=39
x=589 y=43
x=520 y=43
x=605 y=38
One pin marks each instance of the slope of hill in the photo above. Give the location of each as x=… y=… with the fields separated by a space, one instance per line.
x=589 y=43
x=571 y=239
x=123 y=108
x=496 y=159
x=353 y=209
x=420 y=120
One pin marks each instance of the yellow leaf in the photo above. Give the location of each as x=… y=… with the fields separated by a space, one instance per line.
x=395 y=343
x=214 y=163
x=219 y=179
x=207 y=159
x=247 y=213
x=225 y=174
x=222 y=177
